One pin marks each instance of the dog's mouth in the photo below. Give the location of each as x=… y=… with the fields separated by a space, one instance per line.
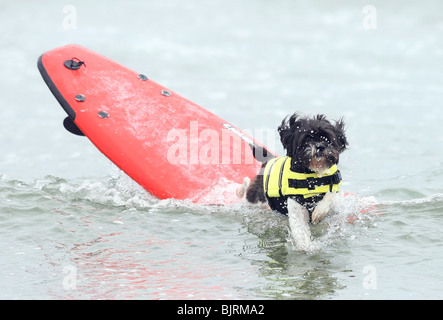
x=319 y=165
x=321 y=158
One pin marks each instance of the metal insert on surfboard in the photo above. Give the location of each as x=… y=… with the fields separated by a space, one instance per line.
x=103 y=114
x=166 y=93
x=80 y=98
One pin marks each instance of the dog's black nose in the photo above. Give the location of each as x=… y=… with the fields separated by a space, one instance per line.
x=320 y=147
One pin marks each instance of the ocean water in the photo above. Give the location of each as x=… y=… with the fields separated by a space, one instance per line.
x=72 y=226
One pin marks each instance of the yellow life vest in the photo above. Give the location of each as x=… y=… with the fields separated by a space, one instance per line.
x=280 y=181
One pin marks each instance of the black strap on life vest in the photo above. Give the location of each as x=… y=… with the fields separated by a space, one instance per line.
x=312 y=183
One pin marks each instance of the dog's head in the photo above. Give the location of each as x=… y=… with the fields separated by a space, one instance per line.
x=314 y=143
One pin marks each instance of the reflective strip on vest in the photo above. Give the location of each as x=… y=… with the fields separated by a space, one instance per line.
x=277 y=176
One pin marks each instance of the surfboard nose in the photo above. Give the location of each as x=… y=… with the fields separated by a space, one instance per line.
x=131 y=119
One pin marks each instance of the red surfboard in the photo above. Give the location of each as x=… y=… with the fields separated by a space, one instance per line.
x=169 y=145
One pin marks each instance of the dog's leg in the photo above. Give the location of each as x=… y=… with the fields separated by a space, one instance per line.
x=325 y=206
x=299 y=225
x=241 y=190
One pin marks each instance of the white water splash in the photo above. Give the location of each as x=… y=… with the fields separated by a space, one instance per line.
x=350 y=210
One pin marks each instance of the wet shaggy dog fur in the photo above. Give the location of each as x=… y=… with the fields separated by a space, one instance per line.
x=314 y=145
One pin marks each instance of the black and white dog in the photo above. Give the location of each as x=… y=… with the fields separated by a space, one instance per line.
x=304 y=183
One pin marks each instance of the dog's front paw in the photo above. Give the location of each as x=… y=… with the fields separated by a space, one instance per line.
x=323 y=208
x=319 y=214
x=241 y=190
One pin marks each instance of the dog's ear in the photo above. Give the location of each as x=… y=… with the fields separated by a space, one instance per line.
x=286 y=133
x=340 y=133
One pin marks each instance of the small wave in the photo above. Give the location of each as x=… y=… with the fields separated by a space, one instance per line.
x=428 y=204
x=117 y=190
x=432 y=199
x=351 y=210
